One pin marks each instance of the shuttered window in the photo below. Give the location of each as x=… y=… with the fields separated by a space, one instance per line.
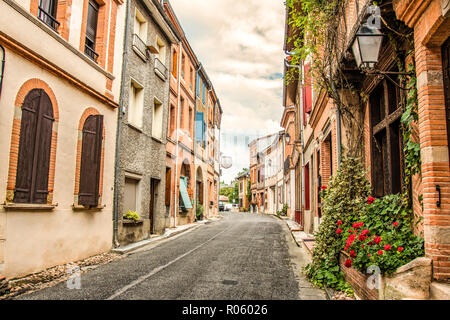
x=168 y=185
x=91 y=161
x=34 y=148
x=307 y=89
x=91 y=30
x=185 y=201
x=307 y=184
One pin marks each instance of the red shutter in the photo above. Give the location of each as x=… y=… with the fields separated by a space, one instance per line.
x=90 y=161
x=34 y=148
x=308 y=89
x=307 y=200
x=304 y=106
x=168 y=185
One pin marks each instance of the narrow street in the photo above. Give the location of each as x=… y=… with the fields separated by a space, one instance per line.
x=242 y=256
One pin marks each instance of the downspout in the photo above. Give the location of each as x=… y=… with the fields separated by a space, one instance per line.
x=178 y=138
x=3 y=68
x=119 y=129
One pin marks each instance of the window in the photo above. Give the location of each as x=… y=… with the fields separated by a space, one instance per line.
x=90 y=161
x=182 y=113
x=34 y=148
x=157 y=124
x=191 y=73
x=172 y=119
x=385 y=112
x=161 y=55
x=131 y=195
x=136 y=104
x=91 y=30
x=140 y=35
x=190 y=120
x=307 y=186
x=174 y=63
x=183 y=65
x=47 y=13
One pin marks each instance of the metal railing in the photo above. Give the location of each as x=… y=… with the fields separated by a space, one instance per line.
x=90 y=53
x=48 y=19
x=161 y=68
x=140 y=45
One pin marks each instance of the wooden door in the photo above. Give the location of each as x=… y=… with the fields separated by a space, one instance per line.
x=446 y=73
x=153 y=195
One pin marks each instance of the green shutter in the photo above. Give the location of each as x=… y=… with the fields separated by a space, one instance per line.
x=187 y=204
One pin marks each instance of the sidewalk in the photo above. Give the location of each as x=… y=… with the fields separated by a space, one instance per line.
x=300 y=237
x=169 y=232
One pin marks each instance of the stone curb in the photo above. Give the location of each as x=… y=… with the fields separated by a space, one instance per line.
x=168 y=234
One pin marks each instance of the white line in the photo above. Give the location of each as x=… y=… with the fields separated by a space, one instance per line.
x=155 y=271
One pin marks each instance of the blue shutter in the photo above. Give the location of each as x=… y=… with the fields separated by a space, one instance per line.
x=203 y=92
x=197 y=86
x=184 y=196
x=199 y=126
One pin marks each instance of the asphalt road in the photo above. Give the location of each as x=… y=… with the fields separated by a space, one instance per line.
x=242 y=256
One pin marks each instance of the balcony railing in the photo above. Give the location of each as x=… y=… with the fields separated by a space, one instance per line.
x=140 y=46
x=160 y=69
x=90 y=53
x=48 y=19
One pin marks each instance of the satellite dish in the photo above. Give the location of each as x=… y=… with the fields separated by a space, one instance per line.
x=226 y=162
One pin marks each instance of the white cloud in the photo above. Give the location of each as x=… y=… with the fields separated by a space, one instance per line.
x=240 y=44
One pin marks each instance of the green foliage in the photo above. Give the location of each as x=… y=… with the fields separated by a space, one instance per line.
x=344 y=199
x=249 y=192
x=283 y=212
x=132 y=215
x=199 y=211
x=391 y=220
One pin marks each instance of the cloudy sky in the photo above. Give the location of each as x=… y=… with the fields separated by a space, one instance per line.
x=240 y=44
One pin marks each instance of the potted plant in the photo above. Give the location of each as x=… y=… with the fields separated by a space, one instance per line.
x=132 y=216
x=199 y=212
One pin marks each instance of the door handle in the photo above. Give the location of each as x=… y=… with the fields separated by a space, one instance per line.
x=438 y=189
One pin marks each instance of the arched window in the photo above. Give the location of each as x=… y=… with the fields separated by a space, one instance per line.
x=90 y=168
x=34 y=148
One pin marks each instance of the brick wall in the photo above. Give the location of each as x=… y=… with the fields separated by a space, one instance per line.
x=357 y=280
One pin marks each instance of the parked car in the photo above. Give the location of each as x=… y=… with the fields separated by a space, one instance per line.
x=228 y=206
x=221 y=206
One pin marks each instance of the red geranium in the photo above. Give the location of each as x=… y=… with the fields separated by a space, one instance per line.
x=370 y=200
x=395 y=224
x=361 y=237
x=364 y=232
x=362 y=246
x=377 y=239
x=387 y=247
x=358 y=225
x=380 y=252
x=348 y=263
x=339 y=231
x=339 y=223
x=352 y=254
x=323 y=187
x=350 y=230
x=400 y=249
x=369 y=255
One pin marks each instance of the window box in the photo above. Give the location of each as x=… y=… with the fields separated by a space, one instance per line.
x=128 y=222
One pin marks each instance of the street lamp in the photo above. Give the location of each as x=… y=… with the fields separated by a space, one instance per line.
x=366 y=46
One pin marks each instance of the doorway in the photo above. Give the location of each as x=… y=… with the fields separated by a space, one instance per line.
x=446 y=73
x=154 y=183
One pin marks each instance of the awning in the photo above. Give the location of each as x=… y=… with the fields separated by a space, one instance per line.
x=184 y=196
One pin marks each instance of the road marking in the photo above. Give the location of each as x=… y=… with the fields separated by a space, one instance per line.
x=155 y=271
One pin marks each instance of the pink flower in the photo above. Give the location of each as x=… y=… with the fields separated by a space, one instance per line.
x=370 y=200
x=387 y=247
x=400 y=249
x=348 y=263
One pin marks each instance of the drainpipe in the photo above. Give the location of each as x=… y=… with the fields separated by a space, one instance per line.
x=178 y=138
x=338 y=128
x=119 y=129
x=3 y=68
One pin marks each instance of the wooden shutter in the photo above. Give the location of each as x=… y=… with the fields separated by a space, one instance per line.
x=307 y=198
x=90 y=161
x=308 y=89
x=91 y=25
x=34 y=148
x=168 y=185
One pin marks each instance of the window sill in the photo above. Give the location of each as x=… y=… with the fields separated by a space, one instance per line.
x=132 y=126
x=78 y=207
x=159 y=140
x=29 y=206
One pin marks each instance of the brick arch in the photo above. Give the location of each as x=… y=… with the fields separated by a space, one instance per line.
x=88 y=112
x=26 y=87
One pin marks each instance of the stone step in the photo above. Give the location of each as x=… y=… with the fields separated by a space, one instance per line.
x=440 y=291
